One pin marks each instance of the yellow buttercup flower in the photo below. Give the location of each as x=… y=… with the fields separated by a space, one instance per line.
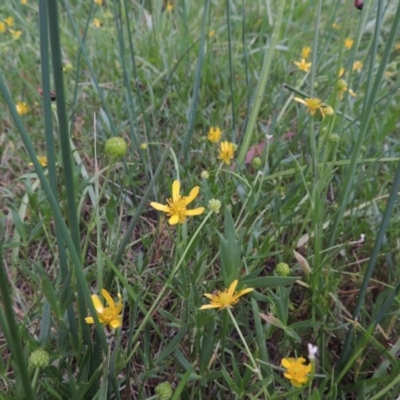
x=176 y=206
x=9 y=21
x=348 y=43
x=313 y=104
x=16 y=34
x=225 y=299
x=296 y=371
x=22 y=107
x=42 y=161
x=2 y=27
x=97 y=23
x=99 y=2
x=303 y=65
x=335 y=26
x=227 y=152
x=110 y=315
x=357 y=66
x=169 y=7
x=214 y=134
x=211 y=33
x=305 y=52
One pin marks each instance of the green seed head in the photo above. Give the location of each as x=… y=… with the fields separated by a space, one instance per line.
x=115 y=147
x=256 y=162
x=282 y=269
x=214 y=205
x=39 y=358
x=164 y=391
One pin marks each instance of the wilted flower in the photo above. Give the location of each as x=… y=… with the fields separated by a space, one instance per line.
x=225 y=299
x=357 y=66
x=312 y=351
x=214 y=134
x=296 y=371
x=15 y=34
x=176 y=206
x=305 y=52
x=227 y=152
x=110 y=315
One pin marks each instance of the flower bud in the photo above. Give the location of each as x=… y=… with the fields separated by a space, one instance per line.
x=282 y=269
x=256 y=162
x=39 y=358
x=115 y=147
x=214 y=205
x=164 y=391
x=143 y=146
x=334 y=138
x=204 y=174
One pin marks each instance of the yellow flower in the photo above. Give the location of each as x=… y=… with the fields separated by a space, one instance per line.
x=227 y=152
x=211 y=33
x=110 y=315
x=296 y=371
x=214 y=134
x=305 y=52
x=303 y=65
x=335 y=26
x=42 y=161
x=342 y=87
x=9 y=21
x=348 y=43
x=357 y=66
x=327 y=111
x=2 y=27
x=341 y=72
x=22 y=108
x=176 y=206
x=225 y=299
x=16 y=34
x=24 y=1
x=169 y=7
x=313 y=104
x=99 y=2
x=96 y=23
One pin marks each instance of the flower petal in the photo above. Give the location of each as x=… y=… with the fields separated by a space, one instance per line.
x=160 y=207
x=108 y=298
x=195 y=211
x=97 y=303
x=209 y=296
x=174 y=219
x=300 y=100
x=116 y=322
x=176 y=187
x=89 y=320
x=232 y=288
x=206 y=306
x=192 y=195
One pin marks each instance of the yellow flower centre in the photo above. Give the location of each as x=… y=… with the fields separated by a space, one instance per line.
x=108 y=314
x=224 y=299
x=177 y=207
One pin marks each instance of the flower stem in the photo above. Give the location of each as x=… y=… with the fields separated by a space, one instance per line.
x=256 y=369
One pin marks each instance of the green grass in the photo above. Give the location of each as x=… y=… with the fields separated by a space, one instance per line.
x=301 y=190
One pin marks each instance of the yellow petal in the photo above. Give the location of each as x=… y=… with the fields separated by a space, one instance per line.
x=299 y=100
x=195 y=211
x=232 y=288
x=209 y=296
x=97 y=303
x=287 y=362
x=89 y=320
x=192 y=195
x=174 y=219
x=176 y=187
x=160 y=207
x=244 y=291
x=108 y=298
x=206 y=306
x=116 y=322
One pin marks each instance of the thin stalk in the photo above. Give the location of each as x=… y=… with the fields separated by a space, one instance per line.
x=259 y=96
x=228 y=21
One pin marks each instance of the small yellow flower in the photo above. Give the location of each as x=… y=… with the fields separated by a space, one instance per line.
x=303 y=65
x=227 y=152
x=22 y=107
x=16 y=34
x=296 y=371
x=214 y=134
x=97 y=23
x=335 y=26
x=348 y=43
x=341 y=72
x=99 y=2
x=305 y=52
x=24 y=1
x=327 y=111
x=397 y=46
x=225 y=299
x=169 y=7
x=357 y=66
x=211 y=33
x=42 y=161
x=110 y=315
x=2 y=27
x=9 y=21
x=313 y=104
x=176 y=206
